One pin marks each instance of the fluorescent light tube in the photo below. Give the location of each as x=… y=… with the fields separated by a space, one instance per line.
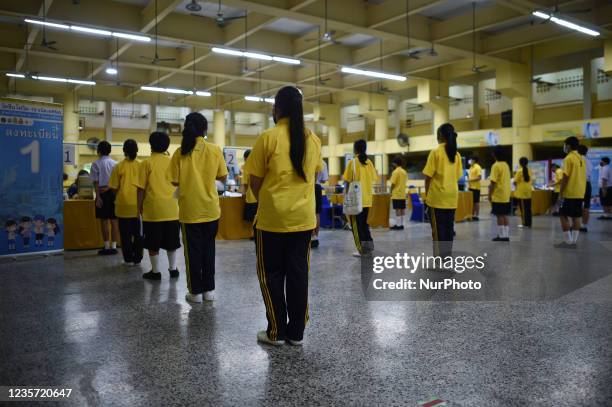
x=111 y=71
x=81 y=82
x=227 y=51
x=258 y=99
x=373 y=74
x=269 y=100
x=166 y=90
x=50 y=79
x=48 y=24
x=132 y=37
x=255 y=55
x=289 y=61
x=91 y=30
x=566 y=23
x=203 y=93
x=15 y=75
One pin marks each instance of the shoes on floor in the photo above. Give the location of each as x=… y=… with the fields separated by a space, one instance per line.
x=128 y=264
x=209 y=295
x=173 y=273
x=194 y=298
x=565 y=245
x=314 y=243
x=583 y=229
x=555 y=214
x=294 y=343
x=150 y=275
x=262 y=337
x=501 y=239
x=365 y=255
x=397 y=227
x=475 y=218
x=107 y=252
x=520 y=226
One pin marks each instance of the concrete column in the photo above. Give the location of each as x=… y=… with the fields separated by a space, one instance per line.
x=71 y=129
x=440 y=115
x=589 y=89
x=219 y=128
x=108 y=121
x=333 y=139
x=475 y=107
x=232 y=128
x=381 y=132
x=522 y=118
x=153 y=119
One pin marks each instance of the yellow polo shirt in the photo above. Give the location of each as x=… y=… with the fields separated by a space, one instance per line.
x=195 y=174
x=474 y=172
x=523 y=188
x=123 y=180
x=500 y=174
x=250 y=197
x=558 y=178
x=443 y=189
x=574 y=167
x=399 y=176
x=159 y=203
x=286 y=200
x=364 y=173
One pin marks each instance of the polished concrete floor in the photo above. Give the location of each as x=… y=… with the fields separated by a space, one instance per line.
x=88 y=323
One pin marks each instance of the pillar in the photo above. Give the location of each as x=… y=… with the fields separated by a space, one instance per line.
x=108 y=121
x=475 y=106
x=589 y=88
x=434 y=95
x=153 y=118
x=71 y=130
x=333 y=167
x=381 y=132
x=219 y=128
x=232 y=128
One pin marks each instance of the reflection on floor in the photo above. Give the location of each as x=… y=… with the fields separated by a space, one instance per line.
x=89 y=323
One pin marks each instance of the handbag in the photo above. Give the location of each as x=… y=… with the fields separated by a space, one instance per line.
x=352 y=197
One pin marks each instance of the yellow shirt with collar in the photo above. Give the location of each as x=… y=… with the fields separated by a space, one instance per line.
x=443 y=192
x=366 y=175
x=399 y=177
x=500 y=175
x=123 y=180
x=574 y=167
x=250 y=197
x=523 y=188
x=159 y=203
x=475 y=171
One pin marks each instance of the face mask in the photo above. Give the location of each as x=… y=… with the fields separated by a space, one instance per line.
x=470 y=162
x=565 y=149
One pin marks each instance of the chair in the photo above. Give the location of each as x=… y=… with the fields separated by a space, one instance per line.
x=418 y=209
x=326 y=213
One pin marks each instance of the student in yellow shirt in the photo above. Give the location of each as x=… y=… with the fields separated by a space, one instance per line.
x=499 y=194
x=573 y=187
x=194 y=168
x=282 y=168
x=158 y=207
x=361 y=169
x=399 y=176
x=557 y=178
x=250 y=207
x=523 y=179
x=474 y=177
x=442 y=172
x=122 y=182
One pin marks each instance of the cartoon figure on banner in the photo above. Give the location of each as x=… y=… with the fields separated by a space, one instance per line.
x=25 y=230
x=11 y=232
x=39 y=230
x=52 y=230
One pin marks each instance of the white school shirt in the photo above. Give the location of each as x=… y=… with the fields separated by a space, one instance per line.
x=101 y=170
x=605 y=173
x=589 y=169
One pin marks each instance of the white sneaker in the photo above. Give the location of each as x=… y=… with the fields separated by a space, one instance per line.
x=195 y=298
x=294 y=343
x=520 y=226
x=128 y=264
x=209 y=295
x=262 y=337
x=357 y=254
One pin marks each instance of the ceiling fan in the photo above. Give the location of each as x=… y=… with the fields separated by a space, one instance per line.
x=475 y=68
x=319 y=80
x=156 y=58
x=44 y=42
x=328 y=35
x=220 y=18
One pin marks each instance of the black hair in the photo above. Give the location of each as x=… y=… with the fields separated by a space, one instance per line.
x=447 y=133
x=606 y=160
x=53 y=221
x=130 y=148
x=196 y=125
x=104 y=148
x=159 y=141
x=25 y=219
x=572 y=142
x=582 y=149
x=398 y=161
x=10 y=222
x=523 y=161
x=288 y=103
x=499 y=153
x=65 y=176
x=247 y=153
x=555 y=166
x=83 y=172
x=475 y=159
x=360 y=147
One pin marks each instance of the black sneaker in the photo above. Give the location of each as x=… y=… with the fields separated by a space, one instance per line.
x=314 y=243
x=112 y=251
x=173 y=273
x=497 y=239
x=583 y=229
x=103 y=252
x=475 y=218
x=152 y=276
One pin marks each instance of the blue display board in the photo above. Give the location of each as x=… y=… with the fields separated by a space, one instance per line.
x=31 y=171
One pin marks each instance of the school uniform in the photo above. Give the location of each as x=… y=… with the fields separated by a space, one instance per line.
x=605 y=197
x=442 y=197
x=101 y=171
x=475 y=171
x=250 y=206
x=160 y=212
x=321 y=178
x=574 y=168
x=586 y=204
x=500 y=200
x=399 y=176
x=123 y=180
x=523 y=194
x=199 y=210
x=557 y=187
x=284 y=224
x=366 y=175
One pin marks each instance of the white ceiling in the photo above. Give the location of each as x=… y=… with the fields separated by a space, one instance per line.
x=288 y=26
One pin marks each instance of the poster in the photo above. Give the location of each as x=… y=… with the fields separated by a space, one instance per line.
x=231 y=160
x=31 y=170
x=591 y=130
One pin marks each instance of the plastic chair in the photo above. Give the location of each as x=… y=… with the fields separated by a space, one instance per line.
x=326 y=213
x=418 y=209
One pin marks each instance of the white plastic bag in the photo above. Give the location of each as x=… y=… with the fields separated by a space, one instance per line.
x=352 y=197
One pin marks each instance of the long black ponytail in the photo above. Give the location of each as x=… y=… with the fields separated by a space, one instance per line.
x=288 y=103
x=360 y=148
x=195 y=126
x=523 y=161
x=446 y=132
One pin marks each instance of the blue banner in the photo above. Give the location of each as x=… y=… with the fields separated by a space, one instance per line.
x=31 y=135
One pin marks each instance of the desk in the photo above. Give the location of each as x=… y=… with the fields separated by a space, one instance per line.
x=231 y=224
x=465 y=206
x=378 y=215
x=541 y=201
x=81 y=228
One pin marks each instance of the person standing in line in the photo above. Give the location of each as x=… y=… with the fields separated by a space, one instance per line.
x=605 y=188
x=523 y=179
x=123 y=183
x=573 y=187
x=586 y=204
x=361 y=169
x=557 y=178
x=474 y=177
x=322 y=177
x=398 y=180
x=499 y=194
x=442 y=171
x=158 y=207
x=250 y=206
x=101 y=170
x=194 y=168
x=282 y=168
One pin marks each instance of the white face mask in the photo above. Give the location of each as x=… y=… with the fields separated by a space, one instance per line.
x=565 y=148
x=470 y=162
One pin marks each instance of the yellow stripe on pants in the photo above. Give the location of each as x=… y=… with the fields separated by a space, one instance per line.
x=355 y=231
x=434 y=231
x=261 y=274
x=307 y=316
x=186 y=251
